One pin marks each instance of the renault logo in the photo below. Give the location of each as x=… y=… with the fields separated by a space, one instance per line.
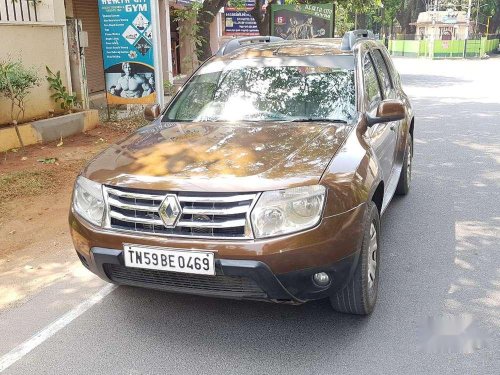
x=170 y=210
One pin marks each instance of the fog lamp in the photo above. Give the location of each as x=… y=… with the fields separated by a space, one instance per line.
x=321 y=279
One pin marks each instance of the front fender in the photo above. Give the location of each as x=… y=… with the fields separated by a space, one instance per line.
x=352 y=175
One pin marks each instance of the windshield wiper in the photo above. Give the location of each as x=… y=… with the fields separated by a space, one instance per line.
x=319 y=119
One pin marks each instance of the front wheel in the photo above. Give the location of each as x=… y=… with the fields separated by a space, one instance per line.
x=405 y=177
x=360 y=293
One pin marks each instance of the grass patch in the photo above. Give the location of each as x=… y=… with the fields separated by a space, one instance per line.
x=24 y=183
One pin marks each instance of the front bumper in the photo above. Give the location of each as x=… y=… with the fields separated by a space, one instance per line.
x=278 y=269
x=239 y=279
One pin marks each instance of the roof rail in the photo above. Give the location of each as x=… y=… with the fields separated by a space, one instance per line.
x=234 y=44
x=351 y=37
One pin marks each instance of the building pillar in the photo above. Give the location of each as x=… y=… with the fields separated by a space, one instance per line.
x=166 y=41
x=156 y=15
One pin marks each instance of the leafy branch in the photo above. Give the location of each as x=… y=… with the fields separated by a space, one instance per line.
x=190 y=28
x=61 y=94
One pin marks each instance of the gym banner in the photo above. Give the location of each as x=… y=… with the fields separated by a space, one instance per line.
x=127 y=51
x=303 y=21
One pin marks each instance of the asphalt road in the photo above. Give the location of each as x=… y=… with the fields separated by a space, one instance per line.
x=440 y=258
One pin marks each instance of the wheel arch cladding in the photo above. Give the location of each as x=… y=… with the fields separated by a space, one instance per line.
x=378 y=196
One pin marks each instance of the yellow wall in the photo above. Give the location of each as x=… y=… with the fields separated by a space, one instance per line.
x=37 y=46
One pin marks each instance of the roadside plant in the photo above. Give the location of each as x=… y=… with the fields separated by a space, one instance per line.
x=16 y=82
x=61 y=94
x=168 y=87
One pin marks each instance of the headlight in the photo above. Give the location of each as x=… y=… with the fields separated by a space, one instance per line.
x=88 y=200
x=288 y=211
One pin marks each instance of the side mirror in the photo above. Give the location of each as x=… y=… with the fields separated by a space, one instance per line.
x=387 y=111
x=151 y=112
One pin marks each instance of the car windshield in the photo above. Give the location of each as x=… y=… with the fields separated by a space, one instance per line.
x=275 y=93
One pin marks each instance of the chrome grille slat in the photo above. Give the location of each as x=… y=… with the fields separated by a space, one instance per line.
x=203 y=215
x=139 y=220
x=126 y=206
x=211 y=224
x=209 y=199
x=215 y=211
x=134 y=195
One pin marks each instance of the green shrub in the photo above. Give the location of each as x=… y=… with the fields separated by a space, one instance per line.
x=168 y=87
x=61 y=94
x=16 y=82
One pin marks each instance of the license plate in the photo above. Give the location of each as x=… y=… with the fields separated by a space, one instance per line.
x=164 y=259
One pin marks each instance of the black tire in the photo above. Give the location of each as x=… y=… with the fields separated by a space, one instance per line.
x=360 y=294
x=405 y=177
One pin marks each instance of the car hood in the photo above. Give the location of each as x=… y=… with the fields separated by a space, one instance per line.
x=218 y=156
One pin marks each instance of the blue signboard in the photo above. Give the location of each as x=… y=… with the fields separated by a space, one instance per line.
x=240 y=23
x=127 y=50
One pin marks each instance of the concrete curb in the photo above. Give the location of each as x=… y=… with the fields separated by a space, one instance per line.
x=49 y=130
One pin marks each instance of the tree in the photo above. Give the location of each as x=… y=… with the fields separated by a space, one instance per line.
x=262 y=17
x=489 y=8
x=205 y=17
x=16 y=82
x=408 y=12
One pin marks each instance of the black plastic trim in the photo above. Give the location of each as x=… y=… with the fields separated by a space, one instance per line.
x=291 y=287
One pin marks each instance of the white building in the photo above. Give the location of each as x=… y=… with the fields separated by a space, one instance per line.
x=443 y=25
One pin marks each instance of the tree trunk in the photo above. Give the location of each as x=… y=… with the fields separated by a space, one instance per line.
x=495 y=22
x=405 y=15
x=18 y=135
x=206 y=15
x=14 y=120
x=362 y=21
x=262 y=19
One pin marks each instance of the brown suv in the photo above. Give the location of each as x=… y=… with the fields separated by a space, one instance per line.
x=264 y=178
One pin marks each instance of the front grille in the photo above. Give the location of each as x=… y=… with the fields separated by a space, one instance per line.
x=213 y=215
x=230 y=286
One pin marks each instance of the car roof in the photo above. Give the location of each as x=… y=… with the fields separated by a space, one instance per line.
x=304 y=47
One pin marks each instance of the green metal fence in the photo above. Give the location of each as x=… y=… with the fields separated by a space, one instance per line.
x=443 y=48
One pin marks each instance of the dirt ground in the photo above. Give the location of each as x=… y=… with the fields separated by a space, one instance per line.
x=36 y=185
x=35 y=194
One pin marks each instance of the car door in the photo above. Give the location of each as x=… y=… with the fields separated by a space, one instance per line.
x=383 y=136
x=389 y=91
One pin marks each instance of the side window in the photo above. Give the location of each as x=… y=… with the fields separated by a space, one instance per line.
x=372 y=87
x=383 y=71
